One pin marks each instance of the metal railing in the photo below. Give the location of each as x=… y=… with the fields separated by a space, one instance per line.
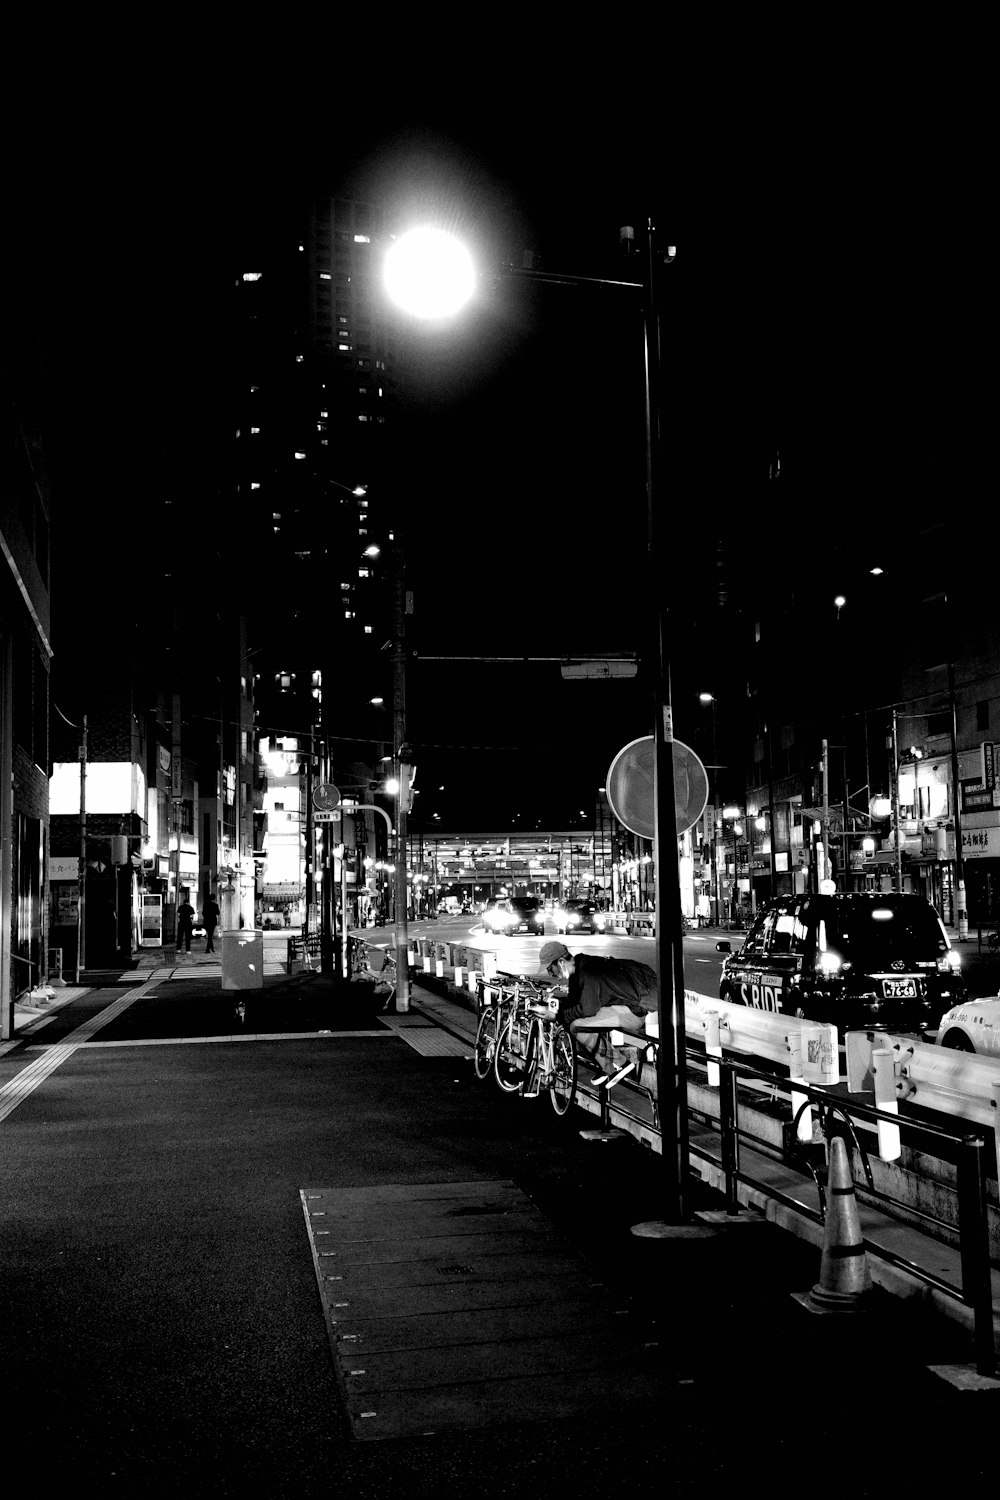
x=966 y=1150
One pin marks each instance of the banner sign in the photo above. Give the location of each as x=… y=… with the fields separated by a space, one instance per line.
x=981 y=843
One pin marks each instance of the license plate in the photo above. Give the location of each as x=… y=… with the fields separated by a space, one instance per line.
x=899 y=989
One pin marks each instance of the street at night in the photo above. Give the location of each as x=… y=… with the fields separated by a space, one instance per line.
x=163 y=1329
x=499 y=799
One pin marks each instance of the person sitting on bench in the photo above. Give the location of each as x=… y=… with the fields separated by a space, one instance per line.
x=587 y=982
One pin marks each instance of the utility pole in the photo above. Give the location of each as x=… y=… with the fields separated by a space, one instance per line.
x=895 y=800
x=400 y=756
x=671 y=1054
x=826 y=811
x=961 y=916
x=81 y=898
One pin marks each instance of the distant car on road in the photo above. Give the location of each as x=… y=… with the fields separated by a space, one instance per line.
x=578 y=916
x=973 y=1026
x=498 y=916
x=529 y=914
x=509 y=914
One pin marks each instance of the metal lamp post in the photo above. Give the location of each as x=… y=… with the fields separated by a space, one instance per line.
x=671 y=1053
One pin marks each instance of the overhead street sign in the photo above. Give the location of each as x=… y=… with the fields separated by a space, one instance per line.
x=602 y=669
x=630 y=786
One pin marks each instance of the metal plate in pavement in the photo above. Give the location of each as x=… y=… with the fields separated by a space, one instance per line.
x=457 y=1305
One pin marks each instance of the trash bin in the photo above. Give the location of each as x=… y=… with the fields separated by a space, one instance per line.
x=243 y=959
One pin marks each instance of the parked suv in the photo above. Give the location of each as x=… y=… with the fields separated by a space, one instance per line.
x=857 y=960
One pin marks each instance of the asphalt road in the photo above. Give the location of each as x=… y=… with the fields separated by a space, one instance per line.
x=702 y=964
x=162 y=1326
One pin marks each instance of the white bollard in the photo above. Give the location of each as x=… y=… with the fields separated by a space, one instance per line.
x=439 y=968
x=889 y=1147
x=427 y=963
x=458 y=976
x=472 y=982
x=713 y=1047
x=799 y=1102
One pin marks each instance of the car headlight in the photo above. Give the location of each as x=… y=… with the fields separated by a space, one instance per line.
x=572 y=920
x=598 y=919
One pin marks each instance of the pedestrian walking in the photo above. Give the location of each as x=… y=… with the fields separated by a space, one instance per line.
x=211 y=923
x=185 y=922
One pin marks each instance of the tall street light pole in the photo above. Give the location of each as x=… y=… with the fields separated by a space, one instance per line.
x=428 y=274
x=671 y=1063
x=400 y=753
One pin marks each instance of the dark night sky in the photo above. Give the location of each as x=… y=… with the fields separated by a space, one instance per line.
x=803 y=316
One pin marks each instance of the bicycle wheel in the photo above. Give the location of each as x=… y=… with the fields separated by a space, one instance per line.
x=562 y=1086
x=486 y=1042
x=533 y=1055
x=508 y=1062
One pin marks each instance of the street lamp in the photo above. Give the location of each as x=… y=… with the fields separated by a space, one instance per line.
x=414 y=272
x=429 y=273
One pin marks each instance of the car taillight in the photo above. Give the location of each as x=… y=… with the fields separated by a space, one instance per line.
x=950 y=962
x=829 y=963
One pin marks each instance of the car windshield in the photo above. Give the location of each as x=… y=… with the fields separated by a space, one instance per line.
x=872 y=935
x=527 y=903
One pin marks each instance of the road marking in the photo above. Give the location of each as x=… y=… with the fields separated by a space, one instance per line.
x=20 y=1088
x=224 y=1036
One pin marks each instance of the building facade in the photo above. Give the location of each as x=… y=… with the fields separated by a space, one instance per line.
x=25 y=656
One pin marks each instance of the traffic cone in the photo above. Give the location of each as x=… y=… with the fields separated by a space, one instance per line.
x=844 y=1277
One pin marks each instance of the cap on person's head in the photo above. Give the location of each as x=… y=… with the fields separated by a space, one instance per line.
x=547 y=954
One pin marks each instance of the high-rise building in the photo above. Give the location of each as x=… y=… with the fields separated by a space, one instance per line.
x=313 y=372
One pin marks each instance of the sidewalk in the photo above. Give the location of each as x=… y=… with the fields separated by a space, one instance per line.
x=164 y=963
x=902 y=1241
x=201 y=974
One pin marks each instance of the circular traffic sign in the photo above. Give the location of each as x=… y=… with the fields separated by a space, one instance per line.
x=326 y=797
x=630 y=787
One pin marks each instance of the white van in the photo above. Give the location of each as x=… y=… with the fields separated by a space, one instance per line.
x=450 y=906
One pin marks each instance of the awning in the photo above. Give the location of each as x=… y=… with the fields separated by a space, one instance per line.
x=835 y=814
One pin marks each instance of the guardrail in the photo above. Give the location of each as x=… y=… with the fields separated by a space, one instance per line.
x=735 y=1045
x=965 y=1151
x=953 y=1083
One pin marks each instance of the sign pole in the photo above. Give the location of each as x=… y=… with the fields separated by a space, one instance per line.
x=671 y=1060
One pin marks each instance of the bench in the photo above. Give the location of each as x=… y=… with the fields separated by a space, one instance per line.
x=619 y=1031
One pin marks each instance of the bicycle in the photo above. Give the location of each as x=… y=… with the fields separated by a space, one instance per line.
x=532 y=1050
x=494 y=1014
x=495 y=1017
x=993 y=940
x=378 y=964
x=551 y=1056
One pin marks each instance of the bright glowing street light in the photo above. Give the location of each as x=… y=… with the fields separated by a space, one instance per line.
x=429 y=273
